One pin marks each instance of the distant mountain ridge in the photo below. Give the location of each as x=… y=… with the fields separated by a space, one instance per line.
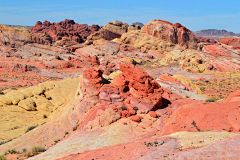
x=19 y=26
x=215 y=34
x=139 y=23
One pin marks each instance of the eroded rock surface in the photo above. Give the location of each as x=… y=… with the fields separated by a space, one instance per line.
x=174 y=33
x=67 y=28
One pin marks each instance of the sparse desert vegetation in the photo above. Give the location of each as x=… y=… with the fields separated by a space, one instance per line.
x=118 y=91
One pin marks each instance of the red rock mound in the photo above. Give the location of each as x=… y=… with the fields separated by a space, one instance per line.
x=215 y=116
x=235 y=42
x=143 y=88
x=218 y=50
x=67 y=28
x=174 y=33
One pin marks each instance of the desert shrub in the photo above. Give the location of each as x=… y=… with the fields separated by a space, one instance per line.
x=124 y=108
x=57 y=141
x=28 y=154
x=208 y=129
x=12 y=151
x=43 y=123
x=38 y=149
x=212 y=99
x=221 y=97
x=202 y=89
x=3 y=142
x=44 y=116
x=34 y=151
x=49 y=98
x=135 y=108
x=74 y=128
x=187 y=96
x=30 y=128
x=3 y=157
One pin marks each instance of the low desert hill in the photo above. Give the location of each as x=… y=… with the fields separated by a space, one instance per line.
x=215 y=34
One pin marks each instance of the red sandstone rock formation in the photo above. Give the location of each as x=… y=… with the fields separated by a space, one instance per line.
x=217 y=116
x=139 y=84
x=146 y=92
x=235 y=42
x=206 y=40
x=218 y=50
x=67 y=28
x=174 y=33
x=89 y=87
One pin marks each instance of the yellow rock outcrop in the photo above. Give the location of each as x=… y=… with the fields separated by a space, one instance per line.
x=20 y=109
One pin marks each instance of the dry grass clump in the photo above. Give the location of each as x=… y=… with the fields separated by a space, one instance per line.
x=34 y=151
x=3 y=157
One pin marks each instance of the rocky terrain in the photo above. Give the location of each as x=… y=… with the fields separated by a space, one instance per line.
x=64 y=29
x=71 y=91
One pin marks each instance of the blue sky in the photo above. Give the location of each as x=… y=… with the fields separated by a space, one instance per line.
x=194 y=14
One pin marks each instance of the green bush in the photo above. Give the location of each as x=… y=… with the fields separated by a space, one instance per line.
x=30 y=128
x=3 y=157
x=34 y=151
x=38 y=149
x=135 y=108
x=74 y=128
x=212 y=99
x=221 y=97
x=12 y=151
x=57 y=141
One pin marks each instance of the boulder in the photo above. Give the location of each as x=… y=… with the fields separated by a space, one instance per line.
x=146 y=92
x=42 y=103
x=28 y=104
x=110 y=31
x=174 y=33
x=136 y=118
